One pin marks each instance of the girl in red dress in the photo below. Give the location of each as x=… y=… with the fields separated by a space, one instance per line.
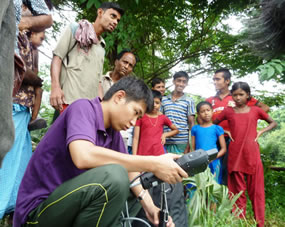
x=244 y=163
x=148 y=134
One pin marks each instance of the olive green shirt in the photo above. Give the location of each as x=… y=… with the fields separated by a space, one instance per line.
x=82 y=72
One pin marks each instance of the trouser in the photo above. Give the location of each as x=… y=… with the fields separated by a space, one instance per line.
x=254 y=184
x=94 y=198
x=7 y=37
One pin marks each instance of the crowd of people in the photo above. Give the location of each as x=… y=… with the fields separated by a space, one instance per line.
x=109 y=128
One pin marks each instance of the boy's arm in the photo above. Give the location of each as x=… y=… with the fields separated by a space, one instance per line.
x=272 y=124
x=136 y=140
x=173 y=132
x=263 y=106
x=223 y=145
x=86 y=155
x=191 y=121
x=152 y=211
x=193 y=143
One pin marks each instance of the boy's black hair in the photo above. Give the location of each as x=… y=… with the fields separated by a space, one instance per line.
x=136 y=90
x=226 y=73
x=124 y=51
x=200 y=104
x=156 y=94
x=112 y=5
x=242 y=85
x=156 y=81
x=181 y=74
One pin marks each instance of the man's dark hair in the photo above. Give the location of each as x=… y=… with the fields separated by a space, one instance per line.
x=200 y=104
x=181 y=74
x=124 y=51
x=156 y=94
x=243 y=86
x=156 y=81
x=136 y=90
x=226 y=73
x=112 y=5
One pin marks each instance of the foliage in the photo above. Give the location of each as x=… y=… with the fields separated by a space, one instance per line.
x=207 y=192
x=273 y=69
x=166 y=33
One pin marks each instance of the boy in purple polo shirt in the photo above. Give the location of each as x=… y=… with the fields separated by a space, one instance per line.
x=79 y=174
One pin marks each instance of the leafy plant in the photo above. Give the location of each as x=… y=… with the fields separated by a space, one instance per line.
x=207 y=192
x=274 y=69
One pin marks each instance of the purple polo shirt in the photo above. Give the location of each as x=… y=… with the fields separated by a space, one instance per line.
x=51 y=163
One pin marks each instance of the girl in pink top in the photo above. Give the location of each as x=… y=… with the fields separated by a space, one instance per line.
x=148 y=134
x=244 y=163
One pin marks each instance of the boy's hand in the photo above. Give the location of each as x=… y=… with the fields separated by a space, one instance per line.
x=168 y=170
x=57 y=98
x=163 y=139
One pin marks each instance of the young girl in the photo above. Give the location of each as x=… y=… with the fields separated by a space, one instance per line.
x=148 y=134
x=244 y=164
x=205 y=136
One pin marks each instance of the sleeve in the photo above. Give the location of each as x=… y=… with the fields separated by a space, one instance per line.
x=167 y=122
x=194 y=130
x=64 y=44
x=139 y=122
x=38 y=7
x=223 y=115
x=252 y=102
x=191 y=107
x=80 y=129
x=262 y=114
x=219 y=130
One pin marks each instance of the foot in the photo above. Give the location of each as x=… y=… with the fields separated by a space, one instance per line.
x=36 y=124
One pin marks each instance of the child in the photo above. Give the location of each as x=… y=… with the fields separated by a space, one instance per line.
x=158 y=84
x=244 y=164
x=148 y=135
x=205 y=136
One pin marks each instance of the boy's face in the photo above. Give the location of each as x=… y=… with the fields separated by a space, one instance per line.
x=156 y=105
x=159 y=87
x=180 y=83
x=220 y=82
x=109 y=19
x=127 y=113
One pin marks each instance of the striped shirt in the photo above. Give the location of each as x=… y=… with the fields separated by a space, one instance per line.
x=178 y=111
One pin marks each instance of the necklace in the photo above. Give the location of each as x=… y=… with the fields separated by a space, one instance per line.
x=151 y=121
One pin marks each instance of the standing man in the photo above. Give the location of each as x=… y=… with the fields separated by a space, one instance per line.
x=124 y=66
x=77 y=64
x=222 y=99
x=180 y=109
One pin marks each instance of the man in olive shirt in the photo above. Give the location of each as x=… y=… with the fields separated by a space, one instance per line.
x=77 y=64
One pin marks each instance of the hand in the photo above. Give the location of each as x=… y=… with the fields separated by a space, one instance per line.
x=259 y=133
x=163 y=139
x=24 y=24
x=57 y=98
x=152 y=214
x=229 y=134
x=168 y=170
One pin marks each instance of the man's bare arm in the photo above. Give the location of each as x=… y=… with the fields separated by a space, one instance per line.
x=35 y=23
x=57 y=95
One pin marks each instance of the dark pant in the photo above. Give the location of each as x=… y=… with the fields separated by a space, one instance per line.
x=224 y=162
x=175 y=201
x=7 y=38
x=94 y=198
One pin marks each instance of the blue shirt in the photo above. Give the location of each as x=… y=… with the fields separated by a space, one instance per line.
x=51 y=164
x=178 y=112
x=206 y=137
